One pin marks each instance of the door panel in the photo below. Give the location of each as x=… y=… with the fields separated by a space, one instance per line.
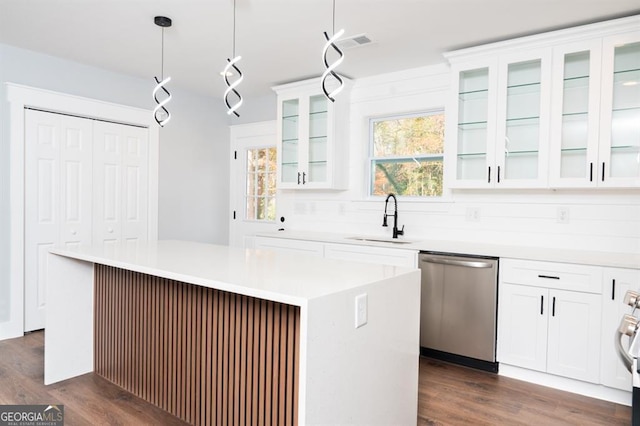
x=57 y=198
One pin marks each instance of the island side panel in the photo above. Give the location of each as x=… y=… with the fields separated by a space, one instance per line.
x=68 y=340
x=366 y=375
x=204 y=355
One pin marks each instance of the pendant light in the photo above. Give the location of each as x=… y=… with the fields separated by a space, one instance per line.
x=329 y=68
x=231 y=64
x=160 y=113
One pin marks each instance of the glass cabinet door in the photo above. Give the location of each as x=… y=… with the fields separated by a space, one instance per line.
x=574 y=132
x=522 y=121
x=290 y=141
x=472 y=159
x=624 y=146
x=318 y=139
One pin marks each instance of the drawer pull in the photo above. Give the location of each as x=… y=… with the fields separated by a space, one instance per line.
x=541 y=305
x=613 y=290
x=550 y=277
x=553 y=307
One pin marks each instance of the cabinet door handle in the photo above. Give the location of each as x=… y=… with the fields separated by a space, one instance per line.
x=553 y=307
x=542 y=305
x=613 y=289
x=591 y=172
x=304 y=176
x=489 y=175
x=498 y=177
x=603 y=171
x=298 y=178
x=550 y=277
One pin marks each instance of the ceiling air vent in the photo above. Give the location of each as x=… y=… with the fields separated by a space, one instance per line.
x=353 y=41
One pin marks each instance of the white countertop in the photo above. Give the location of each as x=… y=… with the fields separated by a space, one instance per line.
x=584 y=257
x=282 y=277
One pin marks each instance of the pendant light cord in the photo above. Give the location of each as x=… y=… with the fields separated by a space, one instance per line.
x=234 y=30
x=162 y=57
x=334 y=16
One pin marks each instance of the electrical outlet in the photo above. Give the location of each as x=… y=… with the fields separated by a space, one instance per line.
x=562 y=215
x=473 y=214
x=361 y=310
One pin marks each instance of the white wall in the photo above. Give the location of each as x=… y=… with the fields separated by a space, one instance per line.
x=194 y=147
x=602 y=220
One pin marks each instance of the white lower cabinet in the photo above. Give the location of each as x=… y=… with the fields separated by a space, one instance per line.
x=379 y=255
x=616 y=283
x=353 y=252
x=543 y=327
x=290 y=246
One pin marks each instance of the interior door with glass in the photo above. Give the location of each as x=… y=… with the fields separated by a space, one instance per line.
x=619 y=159
x=252 y=182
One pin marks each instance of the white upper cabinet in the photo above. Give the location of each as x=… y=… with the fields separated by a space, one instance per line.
x=575 y=112
x=312 y=136
x=619 y=154
x=501 y=119
x=559 y=109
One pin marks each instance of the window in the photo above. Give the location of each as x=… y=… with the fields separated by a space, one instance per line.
x=261 y=184
x=407 y=155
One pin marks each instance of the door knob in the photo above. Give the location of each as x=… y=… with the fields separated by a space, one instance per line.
x=73 y=232
x=110 y=230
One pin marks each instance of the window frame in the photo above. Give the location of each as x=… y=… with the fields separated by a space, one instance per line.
x=370 y=157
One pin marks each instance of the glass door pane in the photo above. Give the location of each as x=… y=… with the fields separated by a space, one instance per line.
x=625 y=118
x=575 y=116
x=522 y=120
x=473 y=105
x=318 y=129
x=290 y=140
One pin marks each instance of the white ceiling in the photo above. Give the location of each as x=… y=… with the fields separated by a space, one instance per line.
x=279 y=40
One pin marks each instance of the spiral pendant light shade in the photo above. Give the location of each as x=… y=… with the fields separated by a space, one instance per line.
x=160 y=113
x=231 y=91
x=329 y=68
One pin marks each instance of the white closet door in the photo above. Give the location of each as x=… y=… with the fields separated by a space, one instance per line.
x=57 y=198
x=120 y=184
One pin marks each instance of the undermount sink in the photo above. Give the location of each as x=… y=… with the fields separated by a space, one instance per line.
x=379 y=240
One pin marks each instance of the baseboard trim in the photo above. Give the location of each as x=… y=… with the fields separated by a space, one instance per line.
x=565 y=384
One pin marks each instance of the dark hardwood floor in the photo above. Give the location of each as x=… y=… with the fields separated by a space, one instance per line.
x=448 y=395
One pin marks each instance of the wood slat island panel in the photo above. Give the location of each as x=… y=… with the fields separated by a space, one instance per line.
x=205 y=355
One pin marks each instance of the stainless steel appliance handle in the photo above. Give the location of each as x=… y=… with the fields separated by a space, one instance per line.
x=628 y=327
x=465 y=263
x=627 y=360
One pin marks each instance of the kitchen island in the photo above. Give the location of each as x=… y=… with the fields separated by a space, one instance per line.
x=213 y=333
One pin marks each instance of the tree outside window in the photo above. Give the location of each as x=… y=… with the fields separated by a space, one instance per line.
x=407 y=155
x=261 y=184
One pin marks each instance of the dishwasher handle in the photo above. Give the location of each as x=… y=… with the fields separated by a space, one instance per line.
x=456 y=262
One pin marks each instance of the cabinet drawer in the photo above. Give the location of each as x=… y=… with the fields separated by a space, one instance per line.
x=561 y=276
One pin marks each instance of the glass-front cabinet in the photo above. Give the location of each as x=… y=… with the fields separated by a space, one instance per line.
x=554 y=110
x=575 y=114
x=500 y=120
x=595 y=131
x=312 y=137
x=619 y=154
x=523 y=120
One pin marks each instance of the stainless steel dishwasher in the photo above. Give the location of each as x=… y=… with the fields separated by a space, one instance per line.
x=459 y=309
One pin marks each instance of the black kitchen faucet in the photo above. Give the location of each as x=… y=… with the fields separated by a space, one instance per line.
x=396 y=231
